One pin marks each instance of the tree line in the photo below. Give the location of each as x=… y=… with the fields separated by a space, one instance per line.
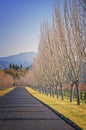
x=15 y=66
x=12 y=75
x=62 y=49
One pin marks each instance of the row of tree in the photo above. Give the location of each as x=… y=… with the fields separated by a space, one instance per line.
x=62 y=49
x=15 y=66
x=6 y=80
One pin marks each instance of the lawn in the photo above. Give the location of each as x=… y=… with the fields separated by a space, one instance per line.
x=75 y=113
x=5 y=91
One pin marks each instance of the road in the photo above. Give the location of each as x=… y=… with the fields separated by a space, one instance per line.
x=21 y=111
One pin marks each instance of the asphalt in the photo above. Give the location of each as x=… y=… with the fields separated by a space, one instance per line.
x=19 y=110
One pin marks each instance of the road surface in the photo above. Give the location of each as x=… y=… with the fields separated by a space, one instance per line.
x=21 y=111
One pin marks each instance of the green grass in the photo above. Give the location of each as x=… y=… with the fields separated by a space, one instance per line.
x=75 y=113
x=4 y=92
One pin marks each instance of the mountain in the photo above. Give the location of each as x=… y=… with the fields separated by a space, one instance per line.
x=24 y=59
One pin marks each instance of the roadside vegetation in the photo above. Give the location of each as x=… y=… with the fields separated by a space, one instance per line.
x=62 y=51
x=13 y=75
x=58 y=74
x=5 y=91
x=6 y=80
x=75 y=113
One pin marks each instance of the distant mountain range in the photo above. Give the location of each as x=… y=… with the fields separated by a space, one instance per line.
x=24 y=59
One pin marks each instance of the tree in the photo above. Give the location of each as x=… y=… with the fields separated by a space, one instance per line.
x=5 y=79
x=62 y=49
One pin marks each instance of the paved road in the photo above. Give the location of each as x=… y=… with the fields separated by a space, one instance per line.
x=20 y=111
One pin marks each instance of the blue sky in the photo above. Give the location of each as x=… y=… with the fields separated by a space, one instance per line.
x=20 y=22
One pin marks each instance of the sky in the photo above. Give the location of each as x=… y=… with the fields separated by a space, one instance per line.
x=20 y=22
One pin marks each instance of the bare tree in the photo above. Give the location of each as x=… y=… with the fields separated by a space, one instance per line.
x=62 y=49
x=74 y=44
x=5 y=79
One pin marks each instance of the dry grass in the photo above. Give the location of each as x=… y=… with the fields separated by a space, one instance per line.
x=70 y=110
x=4 y=92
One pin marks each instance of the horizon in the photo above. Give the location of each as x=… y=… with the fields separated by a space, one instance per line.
x=19 y=53
x=20 y=25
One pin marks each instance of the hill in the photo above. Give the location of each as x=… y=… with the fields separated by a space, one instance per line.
x=24 y=59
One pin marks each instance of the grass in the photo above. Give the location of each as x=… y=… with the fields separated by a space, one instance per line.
x=4 y=92
x=75 y=113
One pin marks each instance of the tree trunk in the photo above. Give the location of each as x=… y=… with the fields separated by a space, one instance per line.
x=71 y=93
x=43 y=89
x=57 y=93
x=50 y=91
x=78 y=92
x=62 y=93
x=53 y=91
x=47 y=91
